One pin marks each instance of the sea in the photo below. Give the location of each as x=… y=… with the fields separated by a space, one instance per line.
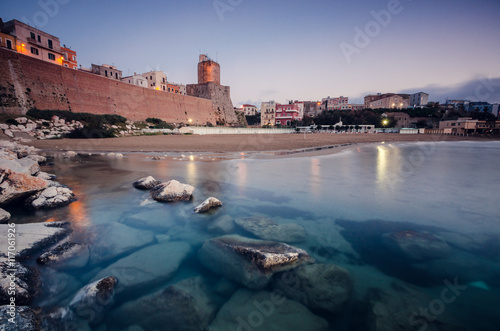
x=350 y=202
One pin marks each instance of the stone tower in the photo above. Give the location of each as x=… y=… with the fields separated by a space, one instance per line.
x=208 y=70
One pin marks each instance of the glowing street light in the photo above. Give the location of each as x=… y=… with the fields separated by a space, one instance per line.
x=190 y=120
x=385 y=122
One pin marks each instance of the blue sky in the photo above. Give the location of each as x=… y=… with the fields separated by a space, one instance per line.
x=288 y=49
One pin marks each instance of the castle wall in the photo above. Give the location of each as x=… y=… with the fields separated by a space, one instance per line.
x=27 y=82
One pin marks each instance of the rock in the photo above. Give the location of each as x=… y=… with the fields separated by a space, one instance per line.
x=22 y=120
x=77 y=255
x=146 y=183
x=248 y=261
x=63 y=318
x=112 y=154
x=4 y=216
x=111 y=240
x=419 y=246
x=317 y=286
x=187 y=305
x=57 y=287
x=25 y=319
x=247 y=310
x=119 y=155
x=51 y=197
x=30 y=166
x=25 y=165
x=15 y=186
x=399 y=308
x=96 y=297
x=266 y=229
x=172 y=191
x=149 y=266
x=13 y=275
x=46 y=176
x=223 y=224
x=33 y=237
x=68 y=154
x=38 y=158
x=207 y=205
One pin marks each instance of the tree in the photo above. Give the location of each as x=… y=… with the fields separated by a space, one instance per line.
x=330 y=127
x=338 y=128
x=319 y=127
x=357 y=127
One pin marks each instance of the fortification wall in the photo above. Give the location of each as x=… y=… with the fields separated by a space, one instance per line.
x=27 y=82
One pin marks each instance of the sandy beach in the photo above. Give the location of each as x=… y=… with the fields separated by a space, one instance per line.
x=232 y=143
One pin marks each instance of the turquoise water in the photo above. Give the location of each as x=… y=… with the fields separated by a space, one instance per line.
x=347 y=202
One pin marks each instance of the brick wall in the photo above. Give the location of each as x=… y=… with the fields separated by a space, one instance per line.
x=26 y=82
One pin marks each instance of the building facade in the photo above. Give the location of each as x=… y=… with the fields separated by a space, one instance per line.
x=478 y=106
x=156 y=80
x=173 y=88
x=108 y=71
x=69 y=58
x=286 y=114
x=419 y=99
x=402 y=119
x=33 y=42
x=137 y=80
x=268 y=113
x=395 y=101
x=249 y=110
x=7 y=41
x=208 y=70
x=339 y=103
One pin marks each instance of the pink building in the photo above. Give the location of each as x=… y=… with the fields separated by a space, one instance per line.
x=286 y=114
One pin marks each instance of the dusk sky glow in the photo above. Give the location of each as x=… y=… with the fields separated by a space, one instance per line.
x=288 y=49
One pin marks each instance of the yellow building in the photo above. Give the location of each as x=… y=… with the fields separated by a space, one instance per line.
x=7 y=41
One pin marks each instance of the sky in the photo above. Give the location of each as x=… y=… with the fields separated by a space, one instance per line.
x=286 y=49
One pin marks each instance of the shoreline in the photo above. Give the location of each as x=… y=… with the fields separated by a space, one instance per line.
x=255 y=145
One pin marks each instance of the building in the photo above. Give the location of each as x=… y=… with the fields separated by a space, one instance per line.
x=419 y=99
x=387 y=101
x=7 y=41
x=268 y=113
x=286 y=114
x=33 y=42
x=156 y=80
x=173 y=88
x=182 y=89
x=312 y=108
x=69 y=58
x=137 y=80
x=107 y=71
x=208 y=70
x=494 y=109
x=249 y=110
x=478 y=106
x=402 y=119
x=339 y=103
x=461 y=125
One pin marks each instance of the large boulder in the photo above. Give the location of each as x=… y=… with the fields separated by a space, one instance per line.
x=207 y=205
x=14 y=276
x=187 y=305
x=25 y=165
x=248 y=261
x=317 y=286
x=96 y=297
x=51 y=197
x=15 y=186
x=20 y=318
x=34 y=237
x=247 y=310
x=172 y=191
x=264 y=228
x=76 y=255
x=419 y=246
x=4 y=216
x=29 y=165
x=147 y=267
x=111 y=240
x=146 y=183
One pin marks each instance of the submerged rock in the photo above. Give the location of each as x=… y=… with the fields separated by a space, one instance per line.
x=69 y=154
x=78 y=255
x=248 y=261
x=187 y=305
x=264 y=228
x=207 y=205
x=25 y=319
x=172 y=191
x=247 y=310
x=222 y=224
x=146 y=183
x=25 y=282
x=149 y=266
x=96 y=297
x=420 y=246
x=15 y=186
x=317 y=286
x=4 y=216
x=51 y=197
x=31 y=238
x=114 y=239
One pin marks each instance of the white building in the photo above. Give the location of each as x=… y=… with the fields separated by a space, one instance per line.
x=268 y=113
x=137 y=80
x=249 y=110
x=419 y=99
x=156 y=80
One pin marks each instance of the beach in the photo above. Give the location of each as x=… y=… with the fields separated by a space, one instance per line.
x=233 y=143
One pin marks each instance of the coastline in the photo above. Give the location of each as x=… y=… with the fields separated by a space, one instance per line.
x=258 y=146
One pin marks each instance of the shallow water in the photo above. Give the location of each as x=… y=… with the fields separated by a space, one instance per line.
x=348 y=202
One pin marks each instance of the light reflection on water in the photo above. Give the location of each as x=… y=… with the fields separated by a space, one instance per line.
x=371 y=182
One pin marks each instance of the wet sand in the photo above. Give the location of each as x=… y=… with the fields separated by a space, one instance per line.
x=233 y=143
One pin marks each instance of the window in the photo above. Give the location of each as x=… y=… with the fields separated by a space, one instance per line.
x=106 y=73
x=9 y=43
x=52 y=57
x=39 y=39
x=74 y=58
x=50 y=43
x=116 y=75
x=66 y=65
x=32 y=35
x=34 y=51
x=150 y=77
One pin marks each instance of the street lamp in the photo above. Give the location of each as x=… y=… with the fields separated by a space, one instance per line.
x=385 y=122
